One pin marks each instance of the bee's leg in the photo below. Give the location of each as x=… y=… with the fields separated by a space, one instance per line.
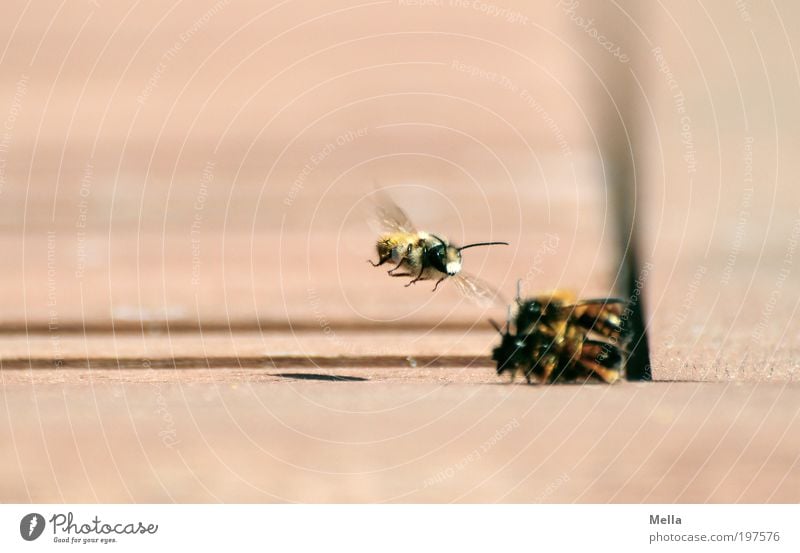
x=393 y=269
x=609 y=376
x=402 y=259
x=549 y=365
x=418 y=277
x=437 y=283
x=401 y=274
x=381 y=260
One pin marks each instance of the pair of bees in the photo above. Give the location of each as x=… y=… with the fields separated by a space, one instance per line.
x=556 y=338
x=552 y=338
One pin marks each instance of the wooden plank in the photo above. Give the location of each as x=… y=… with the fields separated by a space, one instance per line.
x=219 y=221
x=304 y=343
x=152 y=204
x=720 y=213
x=244 y=440
x=223 y=279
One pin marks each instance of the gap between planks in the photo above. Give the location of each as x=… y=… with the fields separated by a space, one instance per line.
x=266 y=362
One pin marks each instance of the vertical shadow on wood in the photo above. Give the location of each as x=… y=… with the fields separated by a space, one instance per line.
x=621 y=116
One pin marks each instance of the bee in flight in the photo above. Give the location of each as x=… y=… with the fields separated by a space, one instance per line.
x=425 y=256
x=557 y=338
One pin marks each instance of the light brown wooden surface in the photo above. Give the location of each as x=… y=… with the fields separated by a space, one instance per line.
x=239 y=439
x=721 y=208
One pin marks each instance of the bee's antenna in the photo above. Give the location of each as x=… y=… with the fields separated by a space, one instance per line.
x=495 y=325
x=483 y=244
x=519 y=290
x=508 y=318
x=442 y=242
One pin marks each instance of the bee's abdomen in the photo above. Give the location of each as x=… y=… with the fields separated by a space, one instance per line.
x=605 y=360
x=389 y=243
x=385 y=247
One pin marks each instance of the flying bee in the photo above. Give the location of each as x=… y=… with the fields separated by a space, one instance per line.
x=558 y=338
x=425 y=256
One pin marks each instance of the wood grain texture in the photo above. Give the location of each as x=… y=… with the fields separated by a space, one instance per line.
x=188 y=314
x=720 y=211
x=246 y=439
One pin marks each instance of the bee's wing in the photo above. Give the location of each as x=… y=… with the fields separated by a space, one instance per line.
x=610 y=303
x=389 y=216
x=478 y=291
x=602 y=316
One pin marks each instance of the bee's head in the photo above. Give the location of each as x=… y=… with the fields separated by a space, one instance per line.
x=532 y=312
x=447 y=258
x=528 y=314
x=513 y=349
x=452 y=260
x=508 y=355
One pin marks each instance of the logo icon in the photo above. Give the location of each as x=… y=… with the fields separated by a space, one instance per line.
x=31 y=526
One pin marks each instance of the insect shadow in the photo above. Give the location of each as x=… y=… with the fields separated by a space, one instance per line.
x=323 y=377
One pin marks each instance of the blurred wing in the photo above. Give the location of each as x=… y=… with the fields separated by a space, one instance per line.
x=389 y=216
x=477 y=290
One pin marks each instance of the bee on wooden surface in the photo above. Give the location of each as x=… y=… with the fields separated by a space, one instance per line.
x=558 y=338
x=425 y=256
